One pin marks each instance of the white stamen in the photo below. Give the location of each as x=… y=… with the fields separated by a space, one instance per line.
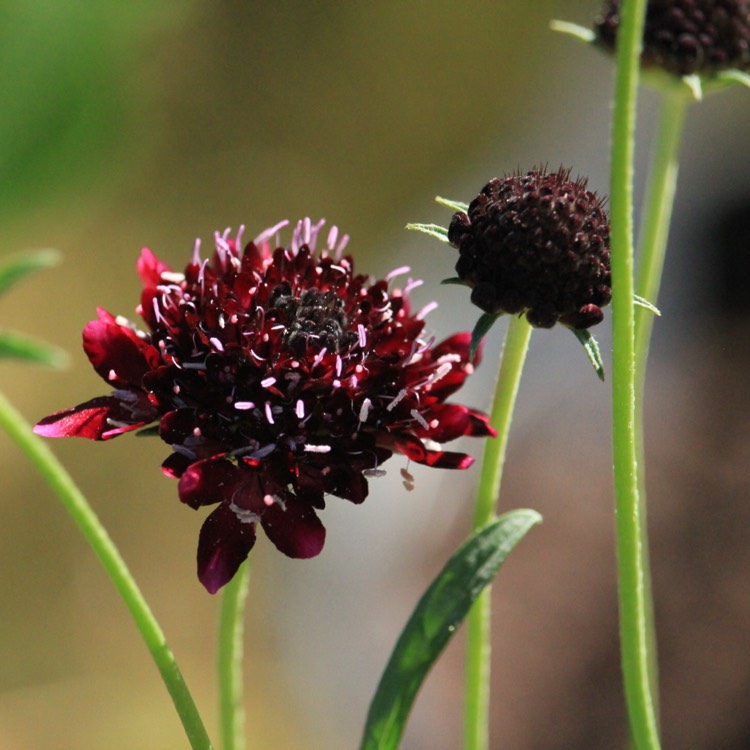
x=197 y=251
x=111 y=375
x=343 y=242
x=157 y=312
x=399 y=397
x=362 y=333
x=440 y=373
x=244 y=516
x=300 y=408
x=397 y=272
x=172 y=277
x=319 y=358
x=339 y=365
x=412 y=285
x=449 y=358
x=332 y=236
x=238 y=241
x=268 y=500
x=244 y=405
x=268 y=382
x=426 y=310
x=269 y=413
x=216 y=344
x=266 y=234
x=422 y=421
x=317 y=448
x=364 y=410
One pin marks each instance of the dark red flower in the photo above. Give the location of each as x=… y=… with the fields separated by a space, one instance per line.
x=538 y=244
x=277 y=376
x=687 y=36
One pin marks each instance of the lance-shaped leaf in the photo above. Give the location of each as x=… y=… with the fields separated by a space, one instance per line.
x=481 y=328
x=591 y=346
x=434 y=230
x=17 y=266
x=439 y=613
x=15 y=345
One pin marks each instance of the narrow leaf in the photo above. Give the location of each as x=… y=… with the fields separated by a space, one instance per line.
x=592 y=350
x=437 y=616
x=453 y=205
x=481 y=328
x=434 y=230
x=644 y=303
x=20 y=346
x=454 y=280
x=694 y=83
x=573 y=29
x=734 y=76
x=15 y=267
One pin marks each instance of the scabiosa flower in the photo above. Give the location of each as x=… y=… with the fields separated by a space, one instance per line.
x=687 y=36
x=277 y=376
x=538 y=244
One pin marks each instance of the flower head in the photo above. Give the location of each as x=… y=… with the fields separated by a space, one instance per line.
x=687 y=36
x=277 y=376
x=538 y=244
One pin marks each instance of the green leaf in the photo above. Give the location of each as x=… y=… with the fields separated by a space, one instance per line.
x=481 y=328
x=434 y=230
x=435 y=620
x=644 y=303
x=574 y=30
x=453 y=205
x=19 y=265
x=592 y=350
x=19 y=346
x=695 y=84
x=454 y=280
x=734 y=76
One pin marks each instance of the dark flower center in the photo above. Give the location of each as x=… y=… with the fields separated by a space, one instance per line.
x=315 y=318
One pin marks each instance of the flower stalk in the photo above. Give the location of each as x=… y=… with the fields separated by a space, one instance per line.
x=78 y=507
x=632 y=586
x=478 y=655
x=229 y=659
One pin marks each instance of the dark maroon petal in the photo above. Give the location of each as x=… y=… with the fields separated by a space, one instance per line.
x=223 y=545
x=455 y=421
x=117 y=354
x=101 y=418
x=210 y=481
x=150 y=268
x=294 y=528
x=175 y=465
x=415 y=450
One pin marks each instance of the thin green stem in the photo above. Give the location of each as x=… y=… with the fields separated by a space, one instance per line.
x=229 y=660
x=478 y=649
x=632 y=587
x=77 y=506
x=657 y=215
x=654 y=232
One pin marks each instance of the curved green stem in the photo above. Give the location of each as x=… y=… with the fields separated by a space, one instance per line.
x=632 y=587
x=476 y=714
x=229 y=660
x=657 y=214
x=75 y=503
x=652 y=239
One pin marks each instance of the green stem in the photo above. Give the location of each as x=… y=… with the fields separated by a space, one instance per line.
x=653 y=235
x=75 y=503
x=632 y=587
x=229 y=660
x=478 y=649
x=657 y=214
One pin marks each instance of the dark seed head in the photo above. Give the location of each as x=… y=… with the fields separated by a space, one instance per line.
x=536 y=243
x=687 y=36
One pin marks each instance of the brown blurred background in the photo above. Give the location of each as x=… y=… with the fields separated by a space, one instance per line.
x=124 y=125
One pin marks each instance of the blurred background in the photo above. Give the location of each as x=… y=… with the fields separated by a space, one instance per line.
x=131 y=124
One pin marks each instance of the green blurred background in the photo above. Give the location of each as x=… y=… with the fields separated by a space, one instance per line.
x=131 y=124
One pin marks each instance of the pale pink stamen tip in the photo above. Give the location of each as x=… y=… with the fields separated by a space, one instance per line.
x=268 y=382
x=332 y=236
x=197 y=251
x=268 y=500
x=426 y=310
x=362 y=335
x=266 y=234
x=397 y=272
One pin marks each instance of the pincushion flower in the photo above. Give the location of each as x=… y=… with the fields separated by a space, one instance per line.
x=687 y=36
x=278 y=376
x=536 y=244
